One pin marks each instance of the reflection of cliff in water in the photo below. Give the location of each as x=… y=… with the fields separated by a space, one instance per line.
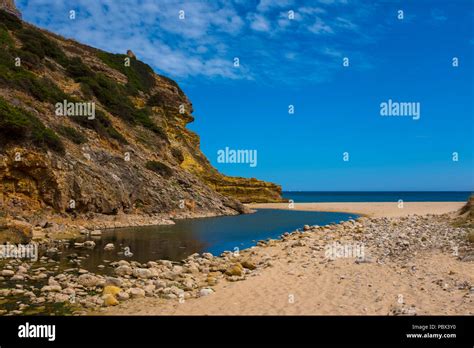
x=186 y=237
x=146 y=244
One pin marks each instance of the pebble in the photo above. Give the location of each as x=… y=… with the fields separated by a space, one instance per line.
x=136 y=292
x=89 y=244
x=88 y=280
x=7 y=273
x=96 y=233
x=123 y=270
x=109 y=247
x=205 y=291
x=142 y=273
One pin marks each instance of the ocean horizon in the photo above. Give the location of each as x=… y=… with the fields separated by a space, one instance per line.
x=376 y=196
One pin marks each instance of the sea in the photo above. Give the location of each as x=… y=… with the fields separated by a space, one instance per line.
x=372 y=196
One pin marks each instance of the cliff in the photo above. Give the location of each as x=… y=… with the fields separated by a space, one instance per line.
x=10 y=7
x=116 y=144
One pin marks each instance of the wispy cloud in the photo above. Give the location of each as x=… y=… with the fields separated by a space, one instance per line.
x=438 y=15
x=258 y=22
x=320 y=27
x=187 y=39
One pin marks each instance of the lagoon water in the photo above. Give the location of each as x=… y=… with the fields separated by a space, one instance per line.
x=215 y=235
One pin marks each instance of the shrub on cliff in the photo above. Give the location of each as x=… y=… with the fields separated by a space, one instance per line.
x=101 y=125
x=72 y=134
x=115 y=98
x=39 y=44
x=140 y=76
x=19 y=78
x=76 y=68
x=160 y=168
x=36 y=46
x=5 y=38
x=19 y=125
x=10 y=21
x=155 y=100
x=177 y=154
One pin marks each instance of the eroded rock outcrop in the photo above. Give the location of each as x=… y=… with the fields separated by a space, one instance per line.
x=134 y=156
x=10 y=7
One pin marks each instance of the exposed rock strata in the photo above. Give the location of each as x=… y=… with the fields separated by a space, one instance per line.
x=135 y=158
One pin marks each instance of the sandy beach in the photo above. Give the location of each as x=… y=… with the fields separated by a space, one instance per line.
x=303 y=287
x=409 y=267
x=415 y=260
x=372 y=209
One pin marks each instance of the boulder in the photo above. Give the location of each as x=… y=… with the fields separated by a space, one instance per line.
x=7 y=273
x=205 y=291
x=111 y=290
x=88 y=280
x=249 y=265
x=96 y=233
x=235 y=270
x=110 y=300
x=142 y=273
x=109 y=247
x=136 y=292
x=123 y=270
x=208 y=256
x=51 y=288
x=113 y=281
x=123 y=296
x=89 y=244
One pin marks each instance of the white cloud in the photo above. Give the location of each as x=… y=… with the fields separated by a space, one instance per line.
x=331 y=52
x=346 y=24
x=332 y=2
x=213 y=32
x=266 y=5
x=320 y=27
x=258 y=22
x=311 y=10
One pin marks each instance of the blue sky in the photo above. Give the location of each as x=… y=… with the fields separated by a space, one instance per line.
x=298 y=62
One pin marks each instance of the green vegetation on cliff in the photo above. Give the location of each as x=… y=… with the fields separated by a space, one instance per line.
x=140 y=75
x=10 y=21
x=159 y=168
x=5 y=38
x=19 y=125
x=113 y=96
x=39 y=69
x=72 y=134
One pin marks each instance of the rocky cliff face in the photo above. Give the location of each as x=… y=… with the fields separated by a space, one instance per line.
x=132 y=155
x=10 y=7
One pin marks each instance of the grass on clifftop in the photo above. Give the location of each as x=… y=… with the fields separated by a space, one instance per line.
x=140 y=75
x=19 y=125
x=36 y=46
x=10 y=21
x=19 y=78
x=116 y=100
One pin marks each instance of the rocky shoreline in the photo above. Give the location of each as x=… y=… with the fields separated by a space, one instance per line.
x=390 y=241
x=22 y=229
